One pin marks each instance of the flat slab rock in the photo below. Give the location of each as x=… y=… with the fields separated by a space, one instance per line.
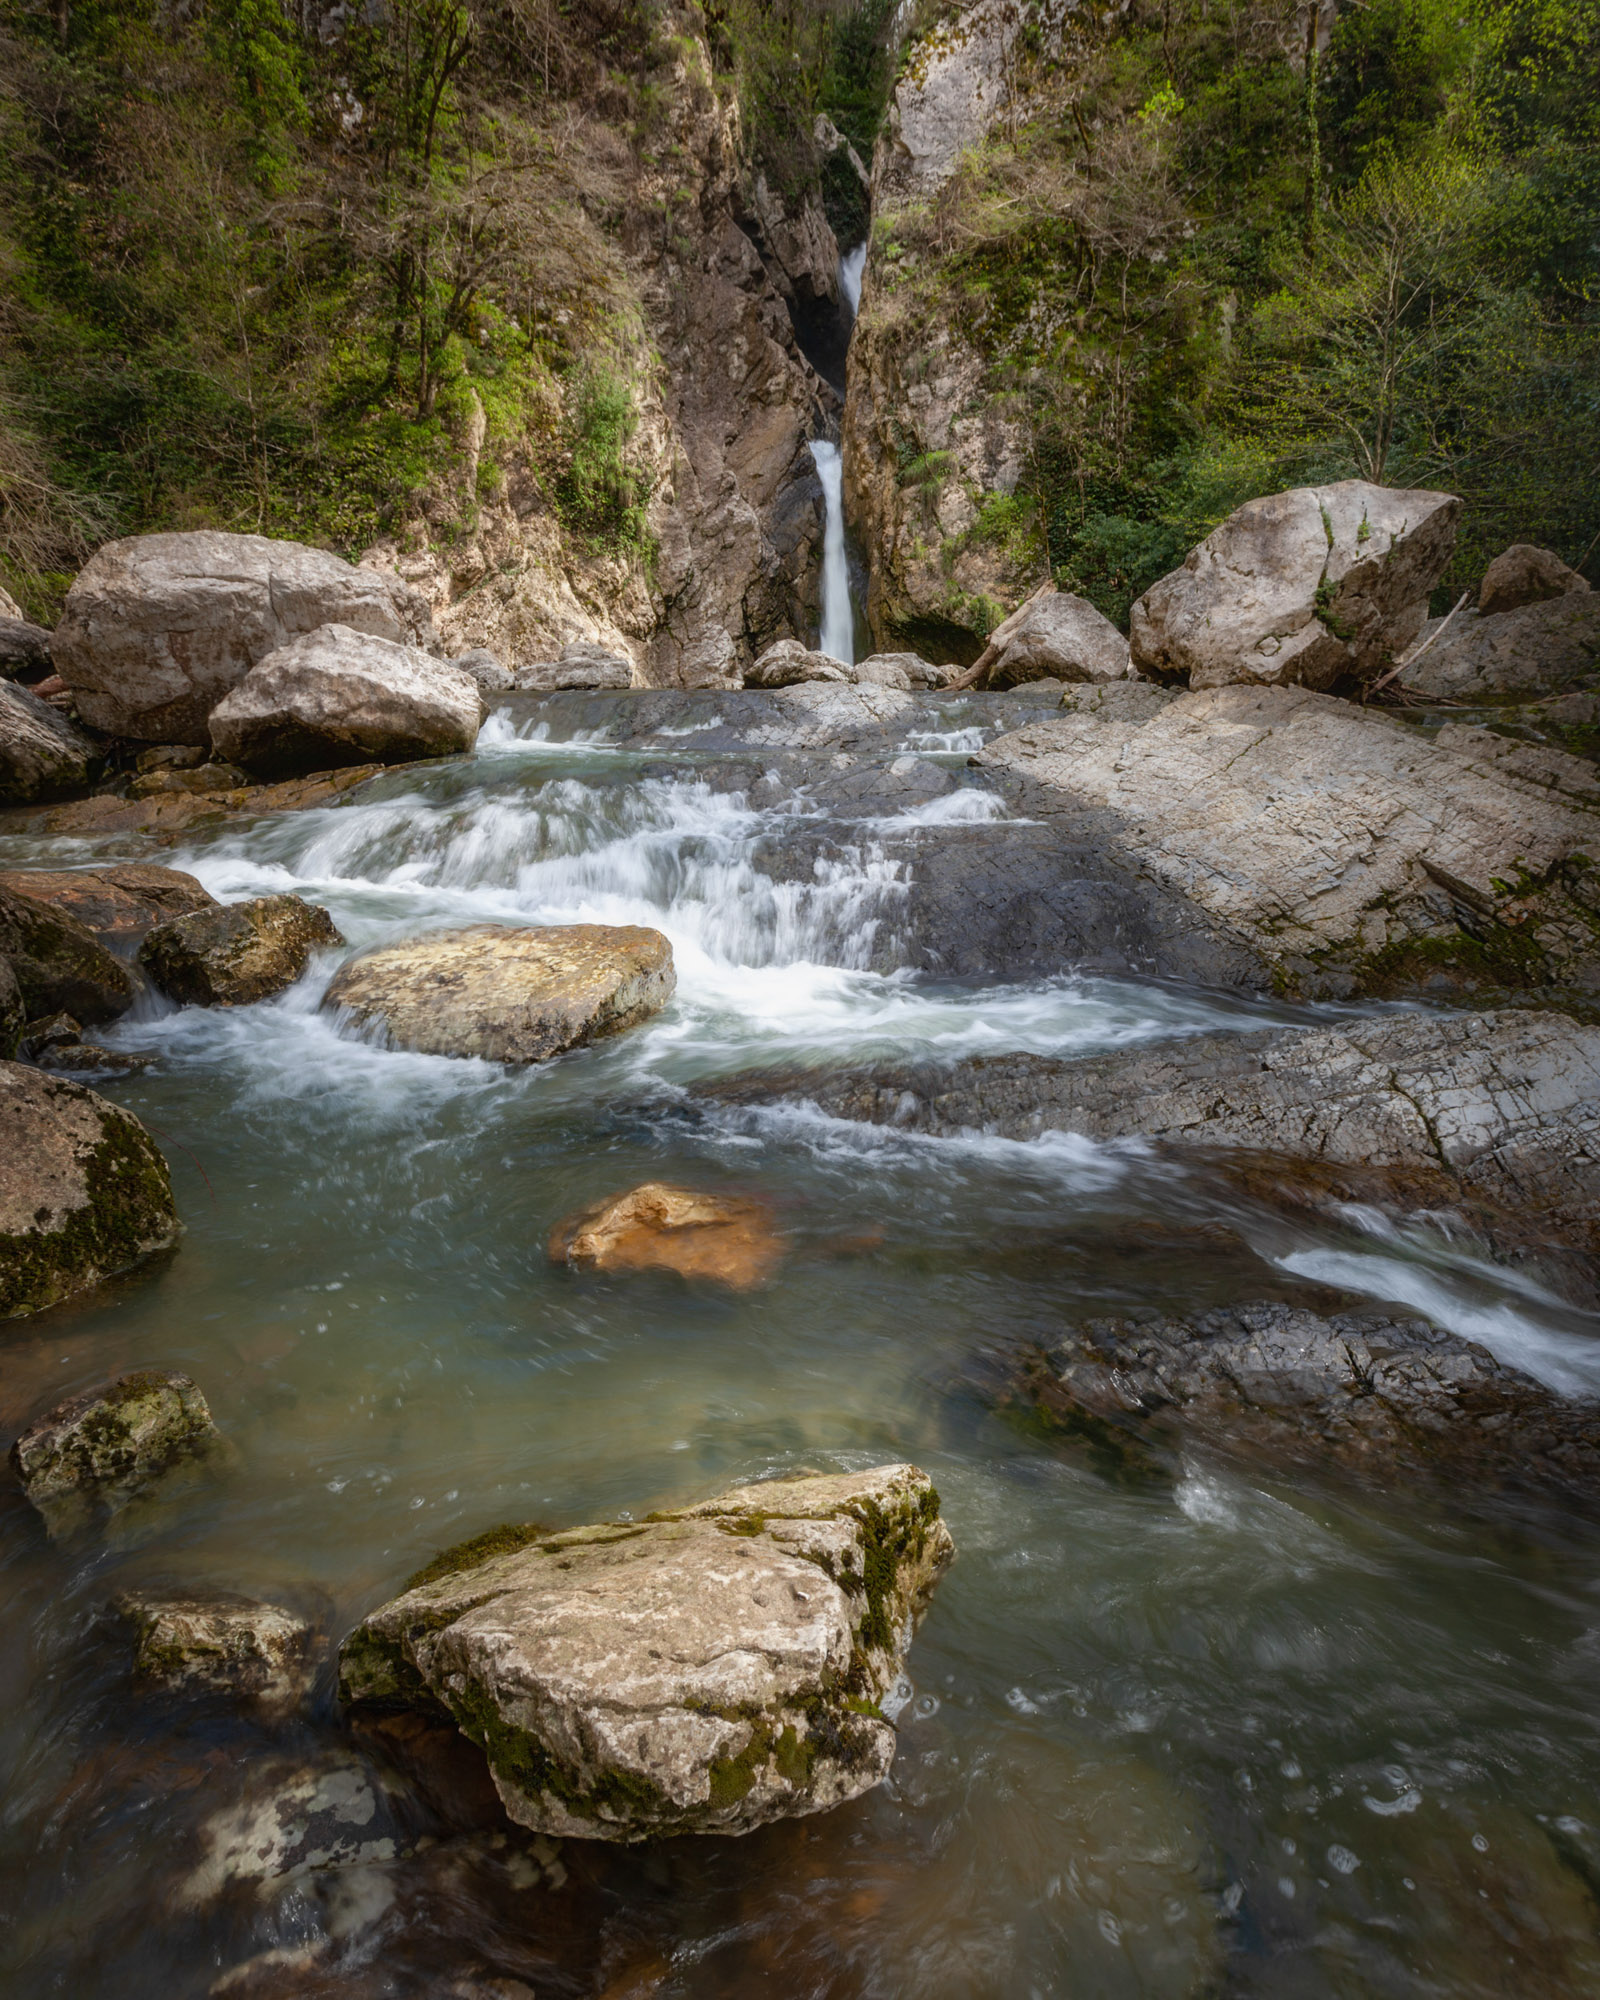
x=701 y=1671
x=1369 y=1391
x=119 y=904
x=724 y=1238
x=507 y=995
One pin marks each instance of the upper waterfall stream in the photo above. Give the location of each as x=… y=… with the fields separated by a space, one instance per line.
x=1226 y=1732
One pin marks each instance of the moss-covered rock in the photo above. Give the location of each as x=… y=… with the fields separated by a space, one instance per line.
x=237 y=953
x=95 y=1454
x=703 y=1671
x=83 y=1190
x=217 y=1643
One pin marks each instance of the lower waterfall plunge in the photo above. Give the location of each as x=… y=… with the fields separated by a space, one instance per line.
x=838 y=616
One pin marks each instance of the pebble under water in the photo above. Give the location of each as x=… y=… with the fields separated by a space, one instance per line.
x=1221 y=1733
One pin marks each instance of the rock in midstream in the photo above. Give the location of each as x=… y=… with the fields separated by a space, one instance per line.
x=704 y=1670
x=236 y=953
x=511 y=996
x=96 y=1454
x=655 y=1227
x=1374 y=1393
x=215 y=1642
x=84 y=1192
x=119 y=904
x=59 y=963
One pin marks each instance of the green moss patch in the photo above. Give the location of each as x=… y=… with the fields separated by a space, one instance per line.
x=504 y=1540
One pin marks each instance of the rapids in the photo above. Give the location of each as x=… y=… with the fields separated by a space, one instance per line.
x=1232 y=1734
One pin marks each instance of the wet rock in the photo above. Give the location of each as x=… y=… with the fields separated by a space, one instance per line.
x=42 y=754
x=57 y=1044
x=217 y=1643
x=60 y=965
x=1546 y=648
x=205 y=777
x=293 y=1818
x=661 y=1228
x=480 y=665
x=1316 y=585
x=170 y=816
x=338 y=696
x=119 y=905
x=512 y=996
x=158 y=628
x=1055 y=636
x=789 y=663
x=24 y=650
x=705 y=1670
x=236 y=953
x=1369 y=1391
x=1525 y=575
x=96 y=1454
x=1350 y=853
x=580 y=667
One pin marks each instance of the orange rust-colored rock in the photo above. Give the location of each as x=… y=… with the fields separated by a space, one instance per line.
x=656 y=1227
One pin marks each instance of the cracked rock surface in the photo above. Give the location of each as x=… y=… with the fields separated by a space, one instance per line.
x=701 y=1671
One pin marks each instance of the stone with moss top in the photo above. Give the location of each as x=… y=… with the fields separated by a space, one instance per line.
x=96 y=1454
x=705 y=1670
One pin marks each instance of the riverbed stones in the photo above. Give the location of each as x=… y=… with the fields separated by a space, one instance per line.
x=1371 y=1391
x=339 y=696
x=236 y=953
x=1524 y=574
x=698 y=1234
x=42 y=754
x=216 y=1642
x=157 y=628
x=1346 y=851
x=57 y=1043
x=1309 y=587
x=120 y=904
x=704 y=1670
x=293 y=1817
x=60 y=965
x=100 y=1452
x=507 y=995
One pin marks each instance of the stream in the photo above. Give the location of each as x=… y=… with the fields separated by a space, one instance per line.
x=1216 y=1734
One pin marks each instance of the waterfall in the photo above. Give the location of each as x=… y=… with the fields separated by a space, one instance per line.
x=851 y=265
x=838 y=638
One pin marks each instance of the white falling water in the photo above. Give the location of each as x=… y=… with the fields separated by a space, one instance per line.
x=838 y=638
x=851 y=265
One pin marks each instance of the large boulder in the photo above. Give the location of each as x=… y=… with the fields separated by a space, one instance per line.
x=1377 y=1394
x=1054 y=636
x=158 y=628
x=42 y=754
x=98 y=1453
x=1525 y=575
x=1548 y=647
x=725 y=1238
x=788 y=663
x=60 y=965
x=339 y=696
x=583 y=667
x=215 y=1642
x=1346 y=850
x=83 y=1190
x=1314 y=586
x=118 y=904
x=704 y=1670
x=234 y=954
x=511 y=996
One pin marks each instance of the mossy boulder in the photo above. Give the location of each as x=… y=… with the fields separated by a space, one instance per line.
x=84 y=1192
x=96 y=1454
x=214 y=1642
x=236 y=953
x=705 y=1670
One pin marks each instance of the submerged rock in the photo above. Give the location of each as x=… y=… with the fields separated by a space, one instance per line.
x=217 y=1643
x=236 y=953
x=511 y=996
x=60 y=965
x=1374 y=1393
x=703 y=1671
x=293 y=1817
x=661 y=1228
x=158 y=628
x=58 y=1044
x=1312 y=586
x=1525 y=575
x=338 y=696
x=120 y=905
x=96 y=1454
x=42 y=754
x=83 y=1190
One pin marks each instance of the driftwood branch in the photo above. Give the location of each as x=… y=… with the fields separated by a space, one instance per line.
x=1417 y=652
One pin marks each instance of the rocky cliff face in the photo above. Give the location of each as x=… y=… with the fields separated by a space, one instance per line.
x=708 y=276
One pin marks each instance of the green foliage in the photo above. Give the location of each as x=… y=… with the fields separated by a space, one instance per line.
x=600 y=496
